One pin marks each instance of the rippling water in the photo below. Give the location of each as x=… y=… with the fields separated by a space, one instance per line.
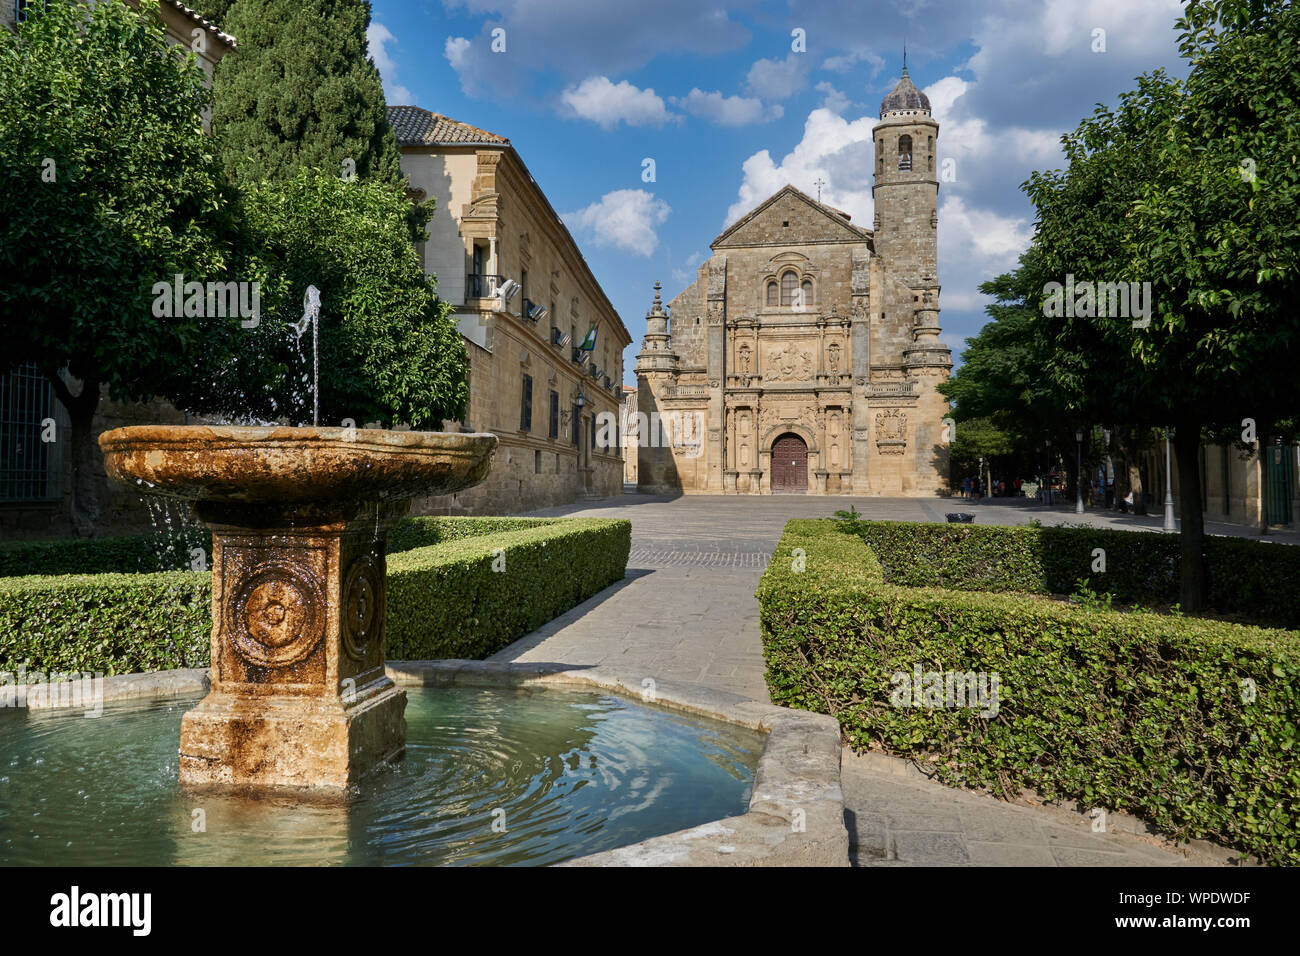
x=565 y=774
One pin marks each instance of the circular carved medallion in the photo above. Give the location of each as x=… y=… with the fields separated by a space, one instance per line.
x=362 y=613
x=275 y=616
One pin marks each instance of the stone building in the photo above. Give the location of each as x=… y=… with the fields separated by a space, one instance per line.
x=629 y=434
x=805 y=355
x=529 y=384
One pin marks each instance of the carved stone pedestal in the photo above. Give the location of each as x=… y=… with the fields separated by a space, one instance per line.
x=299 y=695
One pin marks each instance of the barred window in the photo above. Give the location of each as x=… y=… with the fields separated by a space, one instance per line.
x=32 y=426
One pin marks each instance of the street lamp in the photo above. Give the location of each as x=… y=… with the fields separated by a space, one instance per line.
x=1078 y=471
x=1169 y=489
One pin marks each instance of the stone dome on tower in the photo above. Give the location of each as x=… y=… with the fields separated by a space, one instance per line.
x=904 y=96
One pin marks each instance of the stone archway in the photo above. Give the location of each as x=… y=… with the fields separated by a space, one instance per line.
x=789 y=464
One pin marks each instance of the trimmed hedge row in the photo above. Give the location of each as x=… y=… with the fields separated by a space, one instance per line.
x=1251 y=579
x=148 y=553
x=139 y=553
x=1190 y=724
x=109 y=623
x=444 y=600
x=449 y=600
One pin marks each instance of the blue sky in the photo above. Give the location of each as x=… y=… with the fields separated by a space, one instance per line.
x=729 y=111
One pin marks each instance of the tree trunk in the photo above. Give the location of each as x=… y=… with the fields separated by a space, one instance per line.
x=85 y=453
x=1187 y=444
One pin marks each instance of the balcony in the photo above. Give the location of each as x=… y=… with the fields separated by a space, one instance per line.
x=479 y=285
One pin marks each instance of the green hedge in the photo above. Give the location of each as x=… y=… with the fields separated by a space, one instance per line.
x=171 y=551
x=443 y=600
x=447 y=601
x=1138 y=712
x=1248 y=579
x=109 y=623
x=126 y=555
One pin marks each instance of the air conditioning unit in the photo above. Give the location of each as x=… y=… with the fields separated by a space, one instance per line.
x=559 y=338
x=608 y=384
x=577 y=356
x=537 y=312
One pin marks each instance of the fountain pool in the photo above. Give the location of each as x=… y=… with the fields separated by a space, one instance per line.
x=491 y=776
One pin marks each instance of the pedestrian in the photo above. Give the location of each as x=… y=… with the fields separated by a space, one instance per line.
x=965 y=487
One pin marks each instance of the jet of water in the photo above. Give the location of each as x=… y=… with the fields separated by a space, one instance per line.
x=311 y=314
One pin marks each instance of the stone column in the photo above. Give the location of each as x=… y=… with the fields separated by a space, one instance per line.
x=299 y=695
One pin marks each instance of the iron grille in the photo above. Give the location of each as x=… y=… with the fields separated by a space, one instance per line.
x=31 y=468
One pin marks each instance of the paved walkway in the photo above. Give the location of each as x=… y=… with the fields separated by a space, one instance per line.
x=686 y=611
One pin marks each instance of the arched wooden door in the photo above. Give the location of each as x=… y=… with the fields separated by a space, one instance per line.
x=789 y=464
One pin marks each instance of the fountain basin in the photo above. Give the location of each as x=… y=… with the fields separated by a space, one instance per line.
x=299 y=520
x=294 y=466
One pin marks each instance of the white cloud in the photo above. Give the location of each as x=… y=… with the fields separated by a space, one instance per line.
x=727 y=110
x=378 y=37
x=778 y=79
x=607 y=104
x=833 y=99
x=846 y=62
x=837 y=151
x=686 y=272
x=625 y=219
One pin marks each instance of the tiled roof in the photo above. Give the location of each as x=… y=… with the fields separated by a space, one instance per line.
x=208 y=24
x=420 y=127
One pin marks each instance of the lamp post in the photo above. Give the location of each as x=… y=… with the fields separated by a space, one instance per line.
x=1078 y=471
x=1169 y=489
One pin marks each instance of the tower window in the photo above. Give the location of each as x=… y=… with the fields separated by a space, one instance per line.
x=789 y=282
x=904 y=152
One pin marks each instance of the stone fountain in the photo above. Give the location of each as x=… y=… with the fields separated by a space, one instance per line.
x=299 y=519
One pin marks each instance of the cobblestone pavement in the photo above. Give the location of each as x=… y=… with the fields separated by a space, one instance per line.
x=686 y=611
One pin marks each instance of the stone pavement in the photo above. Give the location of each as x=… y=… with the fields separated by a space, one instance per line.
x=686 y=611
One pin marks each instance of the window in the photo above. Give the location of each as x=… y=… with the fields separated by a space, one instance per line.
x=537 y=462
x=31 y=464
x=930 y=150
x=789 y=282
x=526 y=405
x=807 y=291
x=904 y=152
x=591 y=427
x=771 y=293
x=554 y=430
x=577 y=421
x=20 y=9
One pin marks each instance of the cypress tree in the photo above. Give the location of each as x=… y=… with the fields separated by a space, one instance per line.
x=301 y=91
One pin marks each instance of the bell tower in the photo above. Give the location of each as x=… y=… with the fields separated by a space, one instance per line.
x=906 y=190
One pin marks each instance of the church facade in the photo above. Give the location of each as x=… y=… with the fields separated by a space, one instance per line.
x=805 y=355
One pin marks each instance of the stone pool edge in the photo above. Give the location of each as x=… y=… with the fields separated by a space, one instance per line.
x=796 y=813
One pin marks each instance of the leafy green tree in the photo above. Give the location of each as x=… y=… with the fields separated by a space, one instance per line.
x=300 y=91
x=1159 y=190
x=107 y=186
x=389 y=348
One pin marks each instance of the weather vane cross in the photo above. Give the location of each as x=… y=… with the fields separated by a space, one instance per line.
x=819 y=183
